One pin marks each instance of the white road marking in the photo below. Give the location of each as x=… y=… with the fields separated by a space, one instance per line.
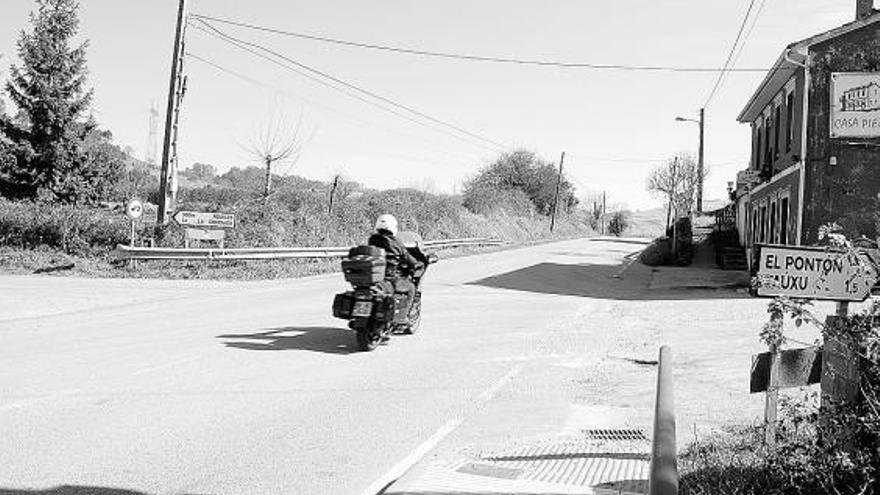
x=416 y=455
x=164 y=365
x=30 y=402
x=620 y=273
x=491 y=391
x=410 y=460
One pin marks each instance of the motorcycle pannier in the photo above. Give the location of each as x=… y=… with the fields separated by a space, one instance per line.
x=342 y=304
x=365 y=265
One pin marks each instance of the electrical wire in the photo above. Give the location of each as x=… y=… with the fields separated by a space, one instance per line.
x=745 y=38
x=466 y=57
x=730 y=55
x=239 y=42
x=369 y=124
x=749 y=32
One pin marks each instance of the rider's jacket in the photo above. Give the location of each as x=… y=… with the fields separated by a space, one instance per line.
x=398 y=261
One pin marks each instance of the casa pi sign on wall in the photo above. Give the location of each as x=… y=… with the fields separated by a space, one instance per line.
x=855 y=104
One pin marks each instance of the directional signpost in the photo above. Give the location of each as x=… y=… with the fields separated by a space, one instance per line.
x=200 y=219
x=200 y=225
x=810 y=273
x=814 y=273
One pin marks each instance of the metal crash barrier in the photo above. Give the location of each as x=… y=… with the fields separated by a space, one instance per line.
x=664 y=466
x=127 y=253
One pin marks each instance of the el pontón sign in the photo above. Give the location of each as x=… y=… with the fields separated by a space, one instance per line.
x=813 y=273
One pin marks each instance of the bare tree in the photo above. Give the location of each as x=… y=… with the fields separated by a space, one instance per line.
x=276 y=144
x=676 y=181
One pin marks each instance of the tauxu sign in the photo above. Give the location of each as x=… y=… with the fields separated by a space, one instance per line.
x=814 y=273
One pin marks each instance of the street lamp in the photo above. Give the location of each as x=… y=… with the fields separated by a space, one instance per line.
x=700 y=159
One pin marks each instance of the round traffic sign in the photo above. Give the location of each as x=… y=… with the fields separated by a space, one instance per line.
x=134 y=209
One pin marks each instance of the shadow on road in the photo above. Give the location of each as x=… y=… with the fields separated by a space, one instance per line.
x=598 y=281
x=71 y=490
x=317 y=339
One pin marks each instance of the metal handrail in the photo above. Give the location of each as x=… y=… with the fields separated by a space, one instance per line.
x=124 y=252
x=664 y=465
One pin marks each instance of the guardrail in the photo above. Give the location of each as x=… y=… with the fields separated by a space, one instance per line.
x=130 y=253
x=664 y=465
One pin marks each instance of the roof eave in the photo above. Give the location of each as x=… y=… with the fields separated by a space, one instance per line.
x=782 y=69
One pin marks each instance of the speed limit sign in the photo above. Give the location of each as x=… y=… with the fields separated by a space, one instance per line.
x=134 y=209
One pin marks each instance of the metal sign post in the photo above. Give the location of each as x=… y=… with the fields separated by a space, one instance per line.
x=134 y=209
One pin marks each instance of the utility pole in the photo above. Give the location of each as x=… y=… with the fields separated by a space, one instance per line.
x=700 y=165
x=332 y=193
x=176 y=88
x=556 y=197
x=603 y=212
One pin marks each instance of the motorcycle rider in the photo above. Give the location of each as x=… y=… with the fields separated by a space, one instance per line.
x=399 y=263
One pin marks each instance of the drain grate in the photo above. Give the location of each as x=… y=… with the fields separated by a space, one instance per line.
x=586 y=464
x=615 y=435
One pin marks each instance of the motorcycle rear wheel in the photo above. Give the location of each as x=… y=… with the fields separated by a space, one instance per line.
x=367 y=339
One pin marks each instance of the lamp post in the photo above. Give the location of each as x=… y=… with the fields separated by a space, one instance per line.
x=699 y=159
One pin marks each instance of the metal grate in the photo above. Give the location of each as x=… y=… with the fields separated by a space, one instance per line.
x=613 y=435
x=587 y=464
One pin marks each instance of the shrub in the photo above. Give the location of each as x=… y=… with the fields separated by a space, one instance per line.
x=809 y=457
x=525 y=172
x=657 y=253
x=75 y=230
x=487 y=200
x=618 y=223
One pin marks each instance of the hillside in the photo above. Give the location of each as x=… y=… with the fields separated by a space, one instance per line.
x=652 y=223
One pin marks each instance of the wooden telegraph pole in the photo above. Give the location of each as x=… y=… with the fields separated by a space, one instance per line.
x=556 y=197
x=603 y=212
x=168 y=175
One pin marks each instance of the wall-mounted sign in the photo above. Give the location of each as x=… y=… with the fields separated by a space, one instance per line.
x=855 y=104
x=746 y=180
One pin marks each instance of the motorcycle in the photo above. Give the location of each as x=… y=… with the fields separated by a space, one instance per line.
x=374 y=309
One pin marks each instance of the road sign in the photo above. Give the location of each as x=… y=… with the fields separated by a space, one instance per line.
x=134 y=209
x=814 y=273
x=199 y=219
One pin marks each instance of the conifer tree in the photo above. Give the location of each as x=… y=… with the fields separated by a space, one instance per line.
x=51 y=140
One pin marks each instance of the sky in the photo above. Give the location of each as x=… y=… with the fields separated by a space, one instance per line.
x=613 y=125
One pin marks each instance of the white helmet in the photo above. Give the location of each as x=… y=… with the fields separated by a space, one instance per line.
x=387 y=222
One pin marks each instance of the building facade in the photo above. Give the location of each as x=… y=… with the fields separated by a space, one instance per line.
x=815 y=128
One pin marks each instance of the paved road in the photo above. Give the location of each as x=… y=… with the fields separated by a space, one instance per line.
x=167 y=387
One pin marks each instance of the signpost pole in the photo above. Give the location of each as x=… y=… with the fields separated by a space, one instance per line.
x=842 y=309
x=772 y=400
x=133 y=262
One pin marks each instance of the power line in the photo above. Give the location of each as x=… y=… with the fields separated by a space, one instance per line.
x=238 y=42
x=749 y=32
x=745 y=38
x=467 y=57
x=370 y=124
x=730 y=55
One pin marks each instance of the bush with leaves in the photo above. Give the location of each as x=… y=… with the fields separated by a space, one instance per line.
x=72 y=229
x=520 y=171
